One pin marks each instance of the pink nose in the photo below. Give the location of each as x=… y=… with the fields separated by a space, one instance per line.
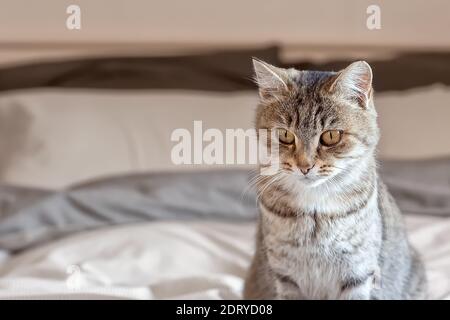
x=305 y=170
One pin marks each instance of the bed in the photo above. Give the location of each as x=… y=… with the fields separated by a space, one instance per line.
x=91 y=207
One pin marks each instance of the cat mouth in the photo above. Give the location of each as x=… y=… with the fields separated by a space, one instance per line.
x=306 y=179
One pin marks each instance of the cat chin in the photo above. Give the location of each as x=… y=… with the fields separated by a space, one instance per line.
x=317 y=183
x=309 y=182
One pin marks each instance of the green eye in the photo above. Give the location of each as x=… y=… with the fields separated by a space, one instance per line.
x=285 y=136
x=331 y=137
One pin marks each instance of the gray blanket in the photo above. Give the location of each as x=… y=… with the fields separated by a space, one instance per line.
x=30 y=217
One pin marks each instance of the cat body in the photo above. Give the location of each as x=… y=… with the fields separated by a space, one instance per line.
x=328 y=228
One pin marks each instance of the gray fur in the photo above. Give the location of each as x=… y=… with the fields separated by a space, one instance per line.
x=334 y=233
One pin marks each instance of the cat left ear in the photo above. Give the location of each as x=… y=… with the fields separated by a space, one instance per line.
x=354 y=83
x=270 y=79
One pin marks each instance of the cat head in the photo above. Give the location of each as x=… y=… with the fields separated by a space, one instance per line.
x=325 y=122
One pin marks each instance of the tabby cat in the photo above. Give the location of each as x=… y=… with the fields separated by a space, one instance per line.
x=328 y=227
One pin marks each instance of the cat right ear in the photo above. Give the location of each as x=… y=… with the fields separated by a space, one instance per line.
x=272 y=81
x=354 y=83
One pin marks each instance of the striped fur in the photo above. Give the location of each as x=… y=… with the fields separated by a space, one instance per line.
x=335 y=232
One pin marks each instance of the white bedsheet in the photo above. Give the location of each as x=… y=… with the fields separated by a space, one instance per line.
x=173 y=260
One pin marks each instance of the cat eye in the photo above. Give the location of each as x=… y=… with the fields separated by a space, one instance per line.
x=285 y=136
x=330 y=137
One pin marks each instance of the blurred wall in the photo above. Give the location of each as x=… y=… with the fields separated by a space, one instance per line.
x=36 y=29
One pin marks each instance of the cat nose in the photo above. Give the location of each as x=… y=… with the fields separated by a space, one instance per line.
x=306 y=169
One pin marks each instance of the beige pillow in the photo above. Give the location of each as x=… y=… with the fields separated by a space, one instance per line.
x=60 y=137
x=415 y=123
x=55 y=137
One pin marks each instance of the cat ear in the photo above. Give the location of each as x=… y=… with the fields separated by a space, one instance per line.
x=270 y=79
x=354 y=83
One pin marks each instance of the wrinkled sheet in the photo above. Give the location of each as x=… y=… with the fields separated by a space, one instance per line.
x=177 y=235
x=30 y=217
x=174 y=260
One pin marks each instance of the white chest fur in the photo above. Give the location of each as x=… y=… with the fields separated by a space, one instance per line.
x=319 y=254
